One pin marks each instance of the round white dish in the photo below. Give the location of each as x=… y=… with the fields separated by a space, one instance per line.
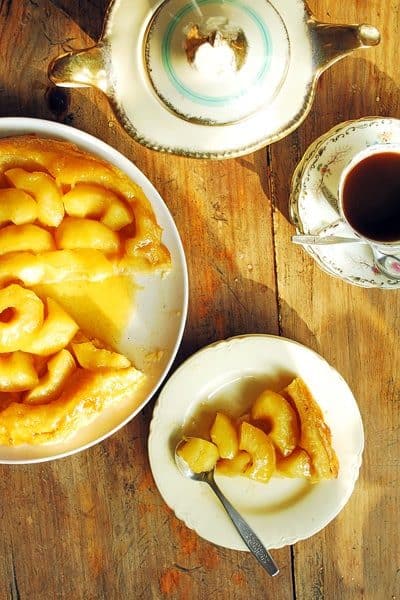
x=313 y=199
x=158 y=314
x=229 y=375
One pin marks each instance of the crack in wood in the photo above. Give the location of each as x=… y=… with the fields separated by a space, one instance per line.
x=6 y=5
x=275 y=258
x=293 y=572
x=14 y=591
x=186 y=569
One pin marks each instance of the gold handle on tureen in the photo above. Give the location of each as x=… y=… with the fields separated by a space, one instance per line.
x=333 y=42
x=82 y=68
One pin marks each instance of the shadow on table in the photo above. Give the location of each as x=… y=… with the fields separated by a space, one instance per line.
x=351 y=89
x=90 y=18
x=350 y=556
x=227 y=315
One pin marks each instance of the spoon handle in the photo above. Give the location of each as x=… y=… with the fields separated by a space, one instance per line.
x=316 y=240
x=246 y=533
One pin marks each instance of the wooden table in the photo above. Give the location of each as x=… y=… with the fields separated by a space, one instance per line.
x=94 y=526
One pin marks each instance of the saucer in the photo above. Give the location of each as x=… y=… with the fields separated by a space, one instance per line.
x=313 y=199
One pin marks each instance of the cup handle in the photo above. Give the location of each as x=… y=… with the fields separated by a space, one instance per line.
x=82 y=68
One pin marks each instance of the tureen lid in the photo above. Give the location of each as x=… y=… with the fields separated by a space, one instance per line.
x=213 y=62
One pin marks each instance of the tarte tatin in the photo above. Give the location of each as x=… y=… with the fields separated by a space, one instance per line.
x=67 y=219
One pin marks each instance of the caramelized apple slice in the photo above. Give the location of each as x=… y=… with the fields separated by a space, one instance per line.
x=298 y=464
x=55 y=267
x=86 y=233
x=254 y=441
x=57 y=331
x=199 y=454
x=90 y=357
x=20 y=266
x=19 y=238
x=234 y=466
x=17 y=372
x=50 y=386
x=223 y=434
x=280 y=418
x=45 y=191
x=21 y=315
x=315 y=434
x=117 y=215
x=75 y=265
x=86 y=201
x=16 y=206
x=145 y=246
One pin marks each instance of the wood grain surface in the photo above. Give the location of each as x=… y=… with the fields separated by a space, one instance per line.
x=93 y=526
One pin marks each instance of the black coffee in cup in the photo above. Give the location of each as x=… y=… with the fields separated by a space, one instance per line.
x=371 y=197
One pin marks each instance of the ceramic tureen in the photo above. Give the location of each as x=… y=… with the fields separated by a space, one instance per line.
x=210 y=78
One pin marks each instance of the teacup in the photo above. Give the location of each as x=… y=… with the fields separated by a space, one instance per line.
x=369 y=196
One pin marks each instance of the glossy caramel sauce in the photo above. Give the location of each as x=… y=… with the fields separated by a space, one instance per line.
x=102 y=309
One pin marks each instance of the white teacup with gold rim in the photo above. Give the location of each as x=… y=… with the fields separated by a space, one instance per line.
x=210 y=78
x=317 y=195
x=369 y=196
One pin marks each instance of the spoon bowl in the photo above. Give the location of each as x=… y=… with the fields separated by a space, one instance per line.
x=388 y=264
x=251 y=540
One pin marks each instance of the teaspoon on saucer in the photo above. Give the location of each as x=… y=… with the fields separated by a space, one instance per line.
x=246 y=533
x=387 y=264
x=316 y=240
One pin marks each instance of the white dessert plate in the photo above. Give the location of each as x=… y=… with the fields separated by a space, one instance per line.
x=229 y=375
x=155 y=326
x=313 y=200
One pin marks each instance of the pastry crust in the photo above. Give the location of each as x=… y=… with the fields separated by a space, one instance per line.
x=315 y=437
x=86 y=394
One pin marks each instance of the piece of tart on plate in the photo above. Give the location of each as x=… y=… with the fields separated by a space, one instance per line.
x=293 y=468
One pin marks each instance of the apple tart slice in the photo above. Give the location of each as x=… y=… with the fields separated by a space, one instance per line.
x=283 y=435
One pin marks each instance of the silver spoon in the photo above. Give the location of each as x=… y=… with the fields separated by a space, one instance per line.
x=388 y=264
x=318 y=240
x=246 y=533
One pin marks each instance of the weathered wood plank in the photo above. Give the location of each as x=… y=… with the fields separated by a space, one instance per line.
x=356 y=329
x=94 y=526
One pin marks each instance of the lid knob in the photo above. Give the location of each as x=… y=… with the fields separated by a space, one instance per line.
x=216 y=47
